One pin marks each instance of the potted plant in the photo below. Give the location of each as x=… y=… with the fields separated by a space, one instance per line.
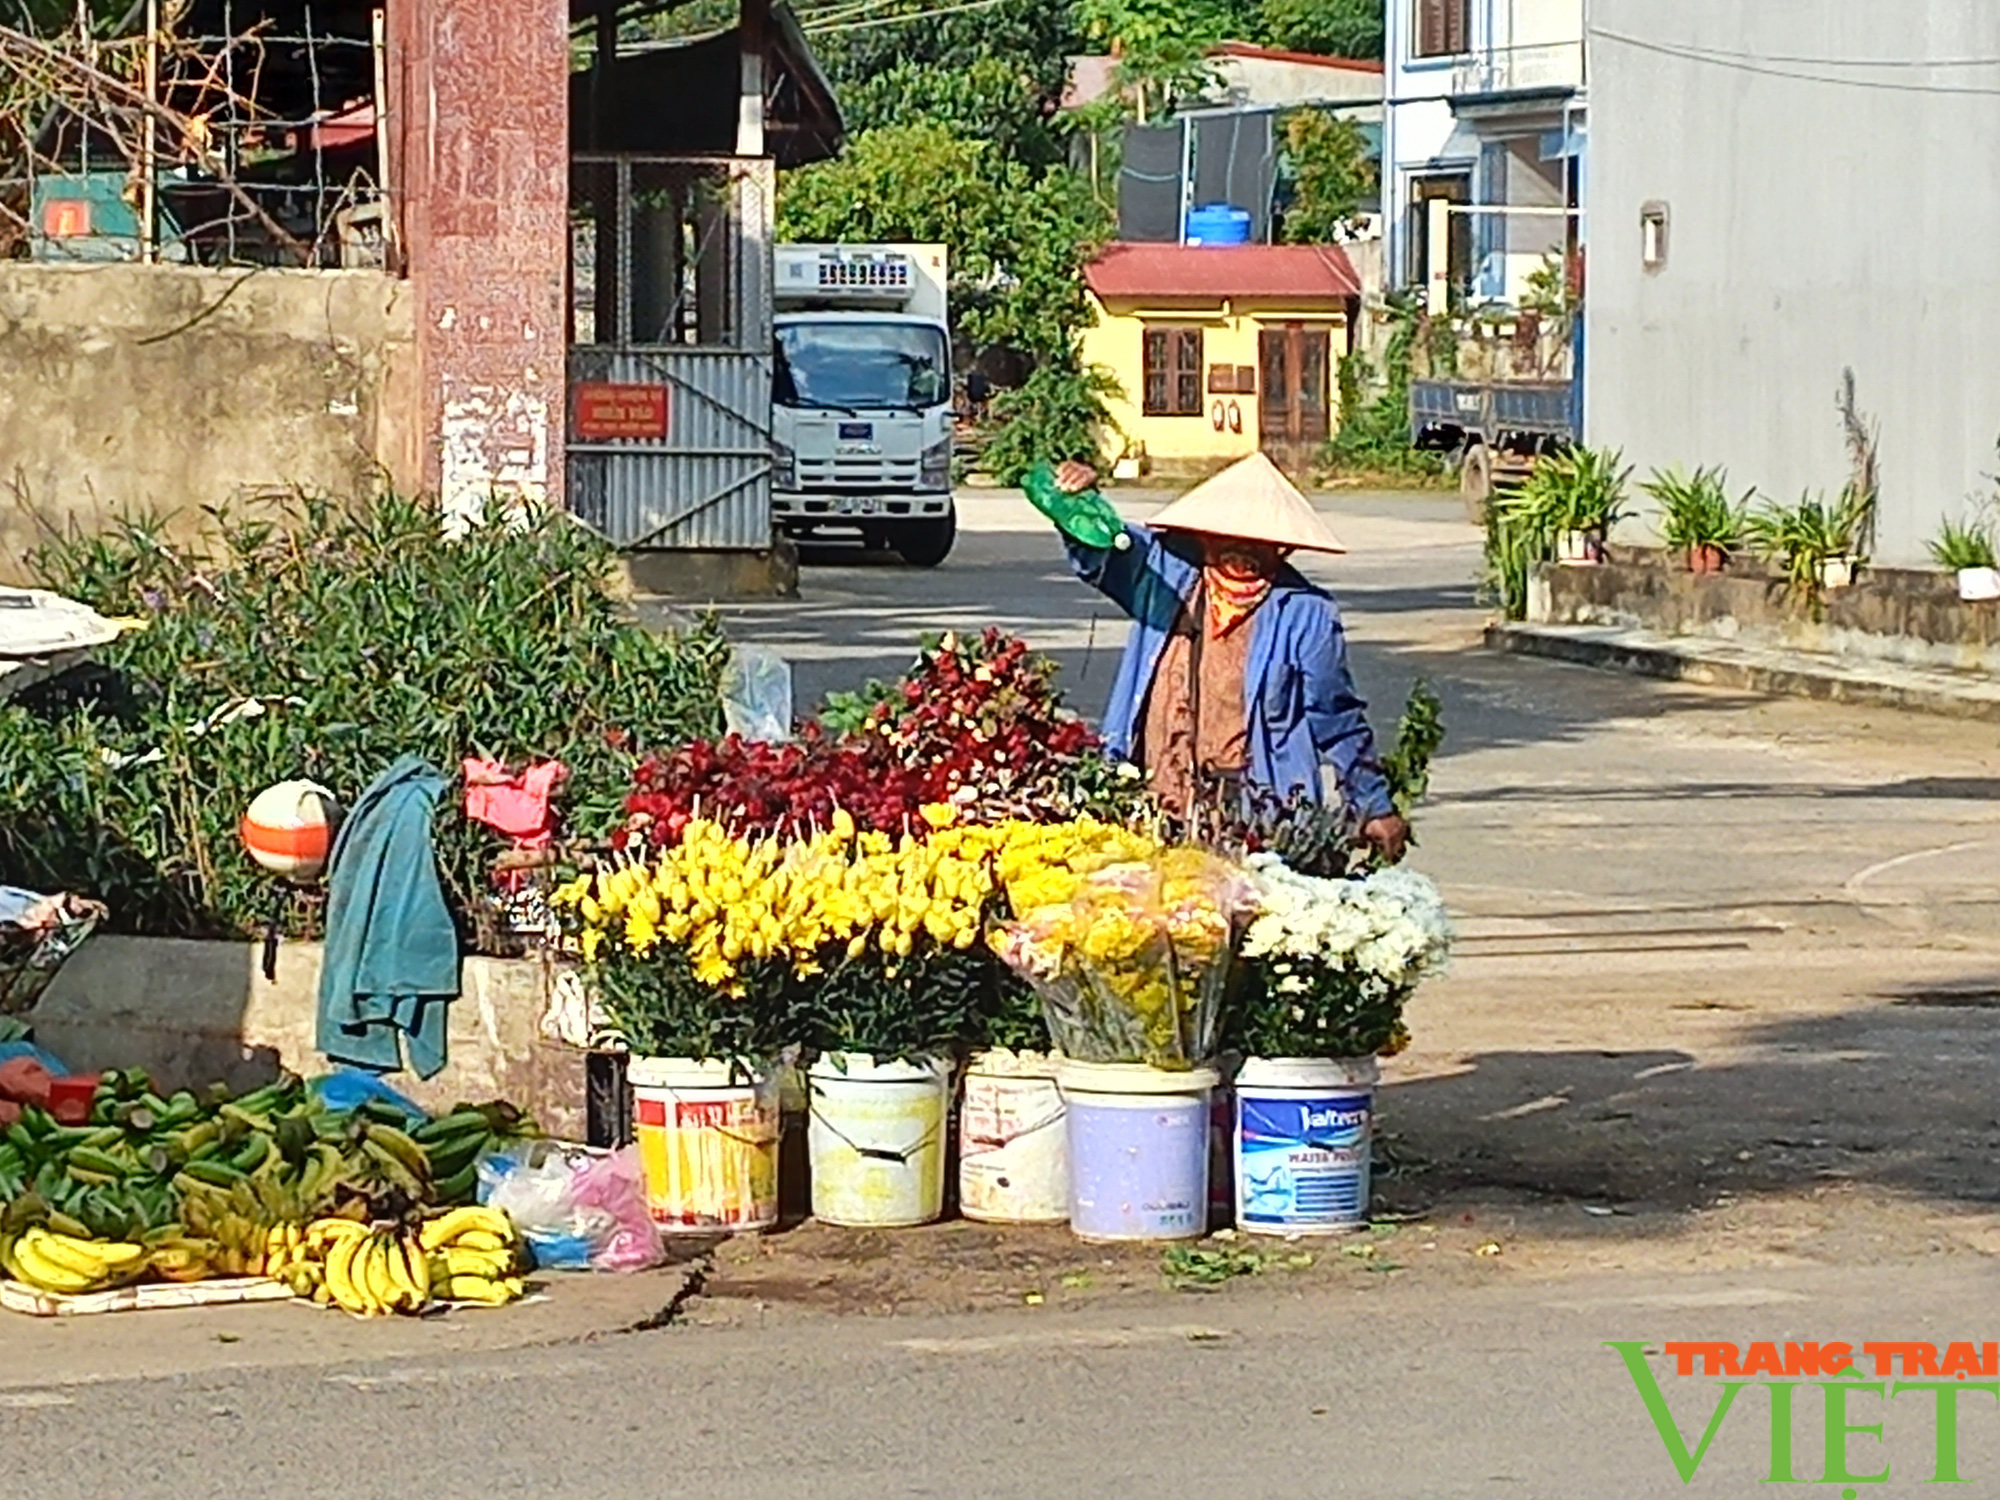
x=1697 y=517
x=1576 y=497
x=1818 y=544
x=1324 y=972
x=1969 y=550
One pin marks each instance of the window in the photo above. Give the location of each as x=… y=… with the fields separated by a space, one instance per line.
x=1173 y=372
x=1444 y=28
x=1653 y=236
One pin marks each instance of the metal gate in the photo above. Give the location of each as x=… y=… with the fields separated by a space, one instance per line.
x=669 y=442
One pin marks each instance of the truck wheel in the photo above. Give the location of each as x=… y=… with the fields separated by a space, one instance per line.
x=925 y=544
x=1475 y=482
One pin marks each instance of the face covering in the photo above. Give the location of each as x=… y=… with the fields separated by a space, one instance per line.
x=1236 y=581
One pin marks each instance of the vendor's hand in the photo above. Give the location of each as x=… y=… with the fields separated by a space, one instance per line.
x=1074 y=478
x=1390 y=835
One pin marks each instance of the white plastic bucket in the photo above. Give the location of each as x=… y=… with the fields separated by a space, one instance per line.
x=1013 y=1145
x=708 y=1141
x=1303 y=1133
x=875 y=1137
x=1138 y=1151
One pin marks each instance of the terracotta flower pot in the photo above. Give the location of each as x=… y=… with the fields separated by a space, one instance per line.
x=1707 y=558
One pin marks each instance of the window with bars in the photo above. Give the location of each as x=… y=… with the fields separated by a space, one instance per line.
x=1444 y=27
x=1173 y=372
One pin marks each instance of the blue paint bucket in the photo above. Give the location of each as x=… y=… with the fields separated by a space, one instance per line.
x=1138 y=1150
x=1304 y=1128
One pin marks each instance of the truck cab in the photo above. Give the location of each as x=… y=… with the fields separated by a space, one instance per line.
x=861 y=397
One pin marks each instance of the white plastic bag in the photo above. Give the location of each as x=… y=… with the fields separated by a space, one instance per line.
x=757 y=695
x=577 y=1209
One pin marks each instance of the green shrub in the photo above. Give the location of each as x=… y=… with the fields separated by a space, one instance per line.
x=359 y=634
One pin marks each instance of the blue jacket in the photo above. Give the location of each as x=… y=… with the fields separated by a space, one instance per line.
x=391 y=964
x=1303 y=708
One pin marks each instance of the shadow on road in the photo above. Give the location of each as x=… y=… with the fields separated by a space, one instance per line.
x=1899 y=1095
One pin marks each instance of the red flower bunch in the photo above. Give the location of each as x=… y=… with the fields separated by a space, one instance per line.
x=978 y=724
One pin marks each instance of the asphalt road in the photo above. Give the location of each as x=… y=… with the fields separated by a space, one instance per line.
x=1499 y=1393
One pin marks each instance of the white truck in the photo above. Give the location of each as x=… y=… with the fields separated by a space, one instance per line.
x=861 y=410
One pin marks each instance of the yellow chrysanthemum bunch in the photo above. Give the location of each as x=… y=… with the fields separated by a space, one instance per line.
x=728 y=903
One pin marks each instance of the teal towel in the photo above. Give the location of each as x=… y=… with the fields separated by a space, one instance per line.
x=391 y=967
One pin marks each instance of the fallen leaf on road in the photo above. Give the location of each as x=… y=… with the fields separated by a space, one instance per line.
x=1033 y=1299
x=1491 y=1247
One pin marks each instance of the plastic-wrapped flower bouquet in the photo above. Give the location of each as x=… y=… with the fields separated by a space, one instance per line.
x=1328 y=964
x=1132 y=967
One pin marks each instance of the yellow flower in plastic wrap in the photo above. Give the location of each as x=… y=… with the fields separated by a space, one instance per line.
x=843 y=825
x=938 y=814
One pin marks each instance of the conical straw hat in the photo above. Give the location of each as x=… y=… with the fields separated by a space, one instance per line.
x=1251 y=501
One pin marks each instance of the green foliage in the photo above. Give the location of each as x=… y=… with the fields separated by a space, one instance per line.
x=662 y=1010
x=1968 y=544
x=1801 y=537
x=1419 y=736
x=357 y=635
x=995 y=101
x=1335 y=28
x=1551 y=291
x=1579 y=489
x=1582 y=489
x=1696 y=511
x=1060 y=408
x=1032 y=37
x=1332 y=175
x=1162 y=48
x=1374 y=433
x=931 y=1005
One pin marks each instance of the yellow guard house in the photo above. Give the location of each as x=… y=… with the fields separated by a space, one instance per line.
x=1221 y=350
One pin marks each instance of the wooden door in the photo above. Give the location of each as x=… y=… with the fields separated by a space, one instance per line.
x=1295 y=407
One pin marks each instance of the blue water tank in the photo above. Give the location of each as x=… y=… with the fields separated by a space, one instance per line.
x=1218 y=224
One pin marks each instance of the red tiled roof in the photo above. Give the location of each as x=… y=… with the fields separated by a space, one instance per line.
x=1279 y=54
x=1219 y=271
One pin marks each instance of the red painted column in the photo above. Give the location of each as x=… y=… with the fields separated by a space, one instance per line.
x=479 y=126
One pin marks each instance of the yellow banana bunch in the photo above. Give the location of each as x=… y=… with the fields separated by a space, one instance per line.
x=368 y=1272
x=474 y=1256
x=70 y=1266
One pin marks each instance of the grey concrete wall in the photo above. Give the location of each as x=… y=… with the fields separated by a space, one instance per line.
x=1822 y=215
x=192 y=1013
x=160 y=388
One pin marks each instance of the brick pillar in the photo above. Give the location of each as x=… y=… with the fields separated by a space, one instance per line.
x=479 y=129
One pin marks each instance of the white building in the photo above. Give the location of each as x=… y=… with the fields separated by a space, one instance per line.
x=1780 y=192
x=1485 y=108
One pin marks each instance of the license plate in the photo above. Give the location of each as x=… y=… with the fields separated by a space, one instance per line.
x=856 y=432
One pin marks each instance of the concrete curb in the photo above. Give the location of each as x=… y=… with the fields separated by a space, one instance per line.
x=1751 y=669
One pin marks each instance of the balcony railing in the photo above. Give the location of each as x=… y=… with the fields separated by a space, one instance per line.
x=1520 y=70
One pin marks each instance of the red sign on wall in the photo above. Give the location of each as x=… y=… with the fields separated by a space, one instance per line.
x=65 y=218
x=606 y=411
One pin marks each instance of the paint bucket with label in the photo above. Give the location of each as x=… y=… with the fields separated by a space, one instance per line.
x=875 y=1136
x=708 y=1141
x=1138 y=1150
x=1303 y=1133
x=1013 y=1141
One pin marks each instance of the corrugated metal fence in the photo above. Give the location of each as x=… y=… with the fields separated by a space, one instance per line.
x=670 y=351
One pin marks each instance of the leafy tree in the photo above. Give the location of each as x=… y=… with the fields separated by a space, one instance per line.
x=1337 y=28
x=1332 y=175
x=995 y=100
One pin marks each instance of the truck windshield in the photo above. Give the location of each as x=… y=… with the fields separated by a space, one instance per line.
x=860 y=365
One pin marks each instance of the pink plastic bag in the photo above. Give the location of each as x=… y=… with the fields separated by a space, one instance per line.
x=615 y=1185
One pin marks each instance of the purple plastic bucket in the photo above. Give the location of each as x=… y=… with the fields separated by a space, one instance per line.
x=1139 y=1141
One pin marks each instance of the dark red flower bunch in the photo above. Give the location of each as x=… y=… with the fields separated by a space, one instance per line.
x=976 y=723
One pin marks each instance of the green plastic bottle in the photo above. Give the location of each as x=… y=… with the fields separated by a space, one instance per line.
x=1087 y=517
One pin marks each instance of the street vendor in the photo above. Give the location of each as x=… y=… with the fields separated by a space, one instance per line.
x=1236 y=670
